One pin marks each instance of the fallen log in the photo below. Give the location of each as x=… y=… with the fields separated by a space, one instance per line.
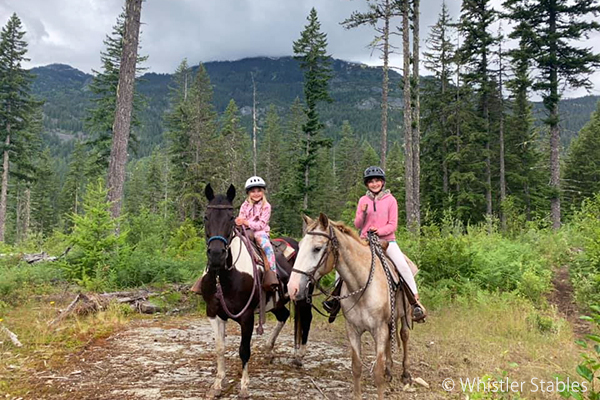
x=138 y=300
x=43 y=256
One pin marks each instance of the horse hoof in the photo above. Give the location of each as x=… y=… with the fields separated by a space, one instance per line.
x=213 y=393
x=297 y=363
x=243 y=394
x=406 y=378
x=388 y=375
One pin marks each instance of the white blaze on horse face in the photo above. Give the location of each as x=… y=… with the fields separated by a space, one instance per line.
x=306 y=261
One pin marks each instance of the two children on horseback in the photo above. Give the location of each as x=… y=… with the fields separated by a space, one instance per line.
x=377 y=211
x=255 y=213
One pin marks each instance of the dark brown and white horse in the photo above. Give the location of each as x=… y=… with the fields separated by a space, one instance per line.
x=231 y=287
x=368 y=307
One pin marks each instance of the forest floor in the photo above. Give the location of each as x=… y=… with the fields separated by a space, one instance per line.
x=172 y=356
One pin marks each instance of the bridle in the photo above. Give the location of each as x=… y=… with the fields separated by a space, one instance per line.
x=226 y=241
x=333 y=246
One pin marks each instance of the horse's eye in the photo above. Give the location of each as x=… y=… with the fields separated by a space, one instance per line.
x=317 y=249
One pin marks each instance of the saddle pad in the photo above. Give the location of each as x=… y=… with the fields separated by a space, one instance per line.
x=283 y=246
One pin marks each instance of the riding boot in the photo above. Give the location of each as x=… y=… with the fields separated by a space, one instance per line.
x=333 y=306
x=197 y=288
x=418 y=311
x=270 y=281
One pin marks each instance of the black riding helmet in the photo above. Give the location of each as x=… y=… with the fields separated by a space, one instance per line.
x=373 y=172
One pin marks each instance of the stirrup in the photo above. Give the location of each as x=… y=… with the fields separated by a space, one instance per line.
x=333 y=307
x=419 y=314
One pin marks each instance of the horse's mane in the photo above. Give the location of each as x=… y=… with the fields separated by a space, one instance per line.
x=343 y=228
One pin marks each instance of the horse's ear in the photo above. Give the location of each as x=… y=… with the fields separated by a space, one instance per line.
x=231 y=193
x=307 y=220
x=208 y=192
x=323 y=220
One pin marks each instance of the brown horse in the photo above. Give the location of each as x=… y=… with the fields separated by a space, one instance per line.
x=328 y=245
x=231 y=288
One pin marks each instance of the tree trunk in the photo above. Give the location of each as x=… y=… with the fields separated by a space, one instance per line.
x=27 y=221
x=306 y=175
x=385 y=83
x=416 y=121
x=254 y=127
x=408 y=147
x=554 y=132
x=125 y=88
x=502 y=166
x=4 y=190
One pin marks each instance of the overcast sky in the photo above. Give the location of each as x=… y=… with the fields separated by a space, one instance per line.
x=72 y=31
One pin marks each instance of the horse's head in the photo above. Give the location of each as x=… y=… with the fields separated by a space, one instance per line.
x=316 y=257
x=218 y=225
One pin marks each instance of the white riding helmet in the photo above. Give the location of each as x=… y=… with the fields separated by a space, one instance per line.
x=255 y=181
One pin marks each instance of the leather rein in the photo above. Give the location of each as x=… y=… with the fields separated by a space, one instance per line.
x=255 y=273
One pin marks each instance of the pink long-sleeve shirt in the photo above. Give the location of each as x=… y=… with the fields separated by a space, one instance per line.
x=257 y=215
x=381 y=213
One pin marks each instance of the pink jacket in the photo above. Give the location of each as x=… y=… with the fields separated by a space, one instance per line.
x=381 y=213
x=258 y=215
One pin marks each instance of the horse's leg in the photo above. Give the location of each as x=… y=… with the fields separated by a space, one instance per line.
x=247 y=325
x=282 y=314
x=382 y=340
x=404 y=334
x=354 y=338
x=389 y=361
x=218 y=326
x=304 y=319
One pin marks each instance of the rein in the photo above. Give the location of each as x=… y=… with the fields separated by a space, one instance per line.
x=255 y=275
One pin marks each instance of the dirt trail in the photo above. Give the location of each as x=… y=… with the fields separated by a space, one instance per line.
x=563 y=298
x=174 y=359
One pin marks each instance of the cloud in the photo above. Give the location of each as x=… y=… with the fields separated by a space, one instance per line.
x=72 y=31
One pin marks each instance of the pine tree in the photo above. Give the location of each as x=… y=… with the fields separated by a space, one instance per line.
x=379 y=15
x=44 y=195
x=289 y=196
x=438 y=104
x=271 y=158
x=311 y=51
x=548 y=29
x=15 y=101
x=475 y=23
x=101 y=117
x=75 y=182
x=582 y=164
x=193 y=142
x=236 y=147
x=348 y=164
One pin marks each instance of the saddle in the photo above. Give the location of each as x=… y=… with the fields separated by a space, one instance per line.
x=284 y=252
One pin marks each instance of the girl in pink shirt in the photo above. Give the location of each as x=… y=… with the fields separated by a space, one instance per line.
x=377 y=211
x=255 y=213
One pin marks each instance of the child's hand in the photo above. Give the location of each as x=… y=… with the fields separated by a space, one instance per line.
x=364 y=207
x=239 y=221
x=373 y=229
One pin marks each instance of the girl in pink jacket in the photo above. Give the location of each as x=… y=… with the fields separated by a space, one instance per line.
x=377 y=211
x=255 y=213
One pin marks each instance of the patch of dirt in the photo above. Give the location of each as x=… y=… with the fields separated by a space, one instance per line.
x=173 y=358
x=563 y=298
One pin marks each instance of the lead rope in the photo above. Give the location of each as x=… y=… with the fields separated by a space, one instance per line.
x=378 y=250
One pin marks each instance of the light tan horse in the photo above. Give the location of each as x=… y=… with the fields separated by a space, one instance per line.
x=328 y=245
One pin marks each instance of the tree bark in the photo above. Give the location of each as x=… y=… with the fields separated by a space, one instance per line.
x=124 y=107
x=27 y=222
x=502 y=165
x=254 y=127
x=4 y=190
x=408 y=147
x=416 y=121
x=554 y=132
x=385 y=83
